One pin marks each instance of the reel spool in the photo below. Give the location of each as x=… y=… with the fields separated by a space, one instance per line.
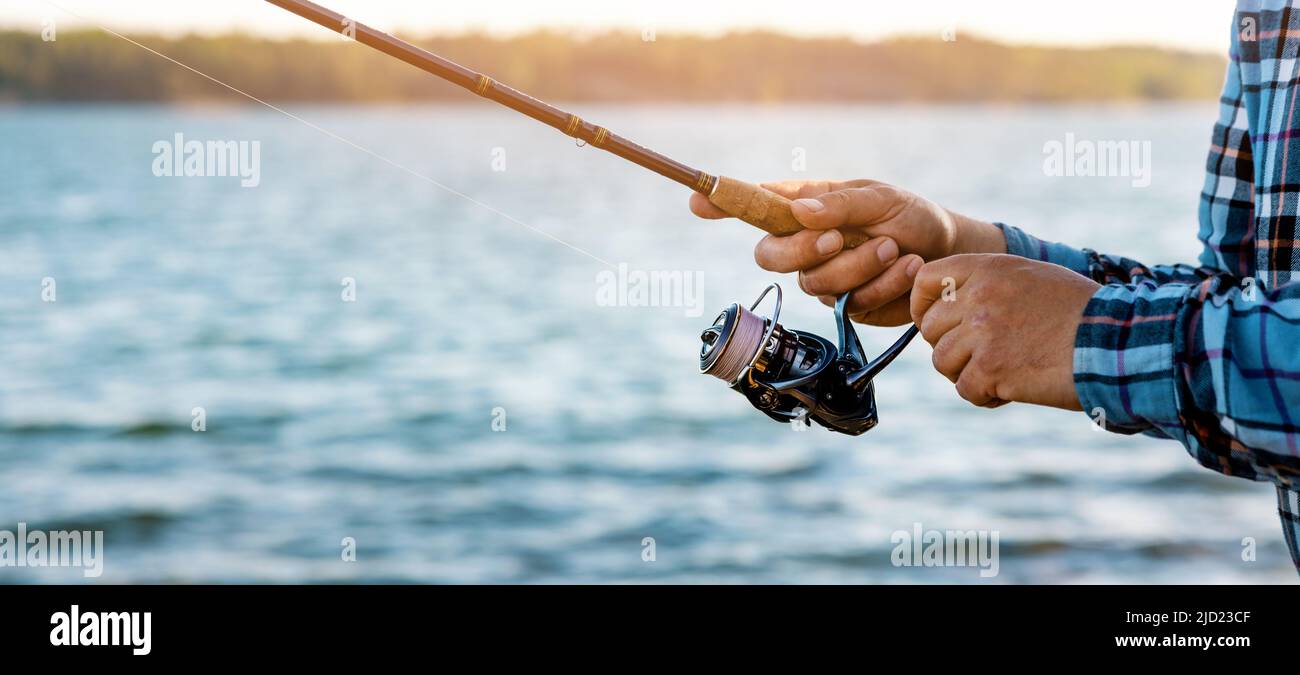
x=793 y=375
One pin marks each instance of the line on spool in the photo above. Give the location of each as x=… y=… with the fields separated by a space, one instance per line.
x=740 y=350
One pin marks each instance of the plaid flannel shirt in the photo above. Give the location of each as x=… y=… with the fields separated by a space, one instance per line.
x=1209 y=355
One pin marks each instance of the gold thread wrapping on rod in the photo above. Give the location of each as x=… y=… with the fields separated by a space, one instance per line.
x=484 y=82
x=601 y=134
x=702 y=183
x=572 y=126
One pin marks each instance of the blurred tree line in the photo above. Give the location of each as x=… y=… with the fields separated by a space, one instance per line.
x=754 y=66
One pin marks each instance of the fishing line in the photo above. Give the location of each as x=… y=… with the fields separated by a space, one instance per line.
x=337 y=137
x=734 y=352
x=750 y=203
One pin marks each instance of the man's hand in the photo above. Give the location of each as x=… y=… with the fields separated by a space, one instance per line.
x=906 y=231
x=1003 y=327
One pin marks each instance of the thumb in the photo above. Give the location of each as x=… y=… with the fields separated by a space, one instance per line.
x=852 y=207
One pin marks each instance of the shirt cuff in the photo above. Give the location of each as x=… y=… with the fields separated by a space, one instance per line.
x=1028 y=246
x=1124 y=358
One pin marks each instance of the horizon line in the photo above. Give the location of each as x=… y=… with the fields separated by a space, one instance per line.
x=580 y=34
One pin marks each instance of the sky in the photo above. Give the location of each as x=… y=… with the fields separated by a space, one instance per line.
x=1201 y=25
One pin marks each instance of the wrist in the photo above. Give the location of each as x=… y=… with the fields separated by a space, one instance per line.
x=976 y=236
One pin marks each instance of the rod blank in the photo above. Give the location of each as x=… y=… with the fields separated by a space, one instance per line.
x=512 y=98
x=748 y=202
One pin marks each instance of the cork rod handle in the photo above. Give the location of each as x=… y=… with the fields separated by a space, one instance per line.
x=765 y=209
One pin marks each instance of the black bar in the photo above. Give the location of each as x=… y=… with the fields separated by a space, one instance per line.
x=938 y=625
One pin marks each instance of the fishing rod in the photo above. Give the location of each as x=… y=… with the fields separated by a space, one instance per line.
x=789 y=375
x=751 y=203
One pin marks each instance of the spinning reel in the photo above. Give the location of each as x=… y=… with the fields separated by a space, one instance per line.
x=792 y=375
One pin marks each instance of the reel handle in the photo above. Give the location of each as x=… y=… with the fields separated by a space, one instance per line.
x=870 y=370
x=765 y=209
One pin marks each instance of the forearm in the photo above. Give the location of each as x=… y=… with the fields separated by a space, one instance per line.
x=1207 y=364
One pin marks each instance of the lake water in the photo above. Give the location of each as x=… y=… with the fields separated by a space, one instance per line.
x=373 y=419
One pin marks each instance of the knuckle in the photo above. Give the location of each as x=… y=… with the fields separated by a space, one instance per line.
x=988 y=304
x=972 y=388
x=983 y=371
x=835 y=200
x=977 y=292
x=777 y=254
x=894 y=286
x=810 y=189
x=814 y=284
x=876 y=317
x=1004 y=262
x=888 y=194
x=993 y=364
x=929 y=274
x=967 y=393
x=930 y=327
x=865 y=299
x=893 y=200
x=807 y=286
x=804 y=285
x=940 y=359
x=762 y=254
x=979 y=319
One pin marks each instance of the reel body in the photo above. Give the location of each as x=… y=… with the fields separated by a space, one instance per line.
x=792 y=375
